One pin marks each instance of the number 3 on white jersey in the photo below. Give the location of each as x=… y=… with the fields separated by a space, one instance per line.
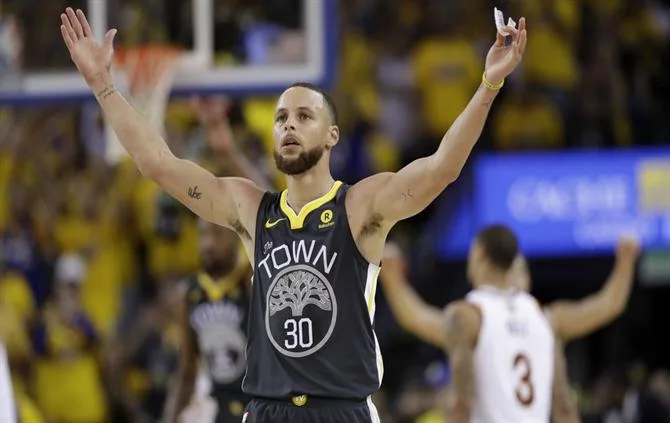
x=524 y=390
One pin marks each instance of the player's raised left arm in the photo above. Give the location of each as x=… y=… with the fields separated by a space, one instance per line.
x=414 y=187
x=462 y=323
x=574 y=319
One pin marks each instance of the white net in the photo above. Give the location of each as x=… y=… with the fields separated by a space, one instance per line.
x=149 y=73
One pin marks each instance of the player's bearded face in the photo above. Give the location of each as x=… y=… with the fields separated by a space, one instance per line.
x=301 y=163
x=218 y=249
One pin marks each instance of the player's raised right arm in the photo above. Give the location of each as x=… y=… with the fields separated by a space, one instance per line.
x=207 y=196
x=413 y=314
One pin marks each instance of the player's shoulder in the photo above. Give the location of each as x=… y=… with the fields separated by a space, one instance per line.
x=245 y=185
x=366 y=187
x=247 y=194
x=462 y=321
x=190 y=289
x=360 y=196
x=530 y=299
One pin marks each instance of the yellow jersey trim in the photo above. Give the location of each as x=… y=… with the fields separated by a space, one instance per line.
x=298 y=220
x=373 y=291
x=217 y=290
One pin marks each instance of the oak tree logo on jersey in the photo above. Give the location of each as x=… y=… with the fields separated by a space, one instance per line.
x=221 y=340
x=326 y=219
x=301 y=311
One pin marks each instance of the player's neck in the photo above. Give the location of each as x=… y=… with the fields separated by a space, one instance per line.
x=307 y=186
x=221 y=270
x=495 y=280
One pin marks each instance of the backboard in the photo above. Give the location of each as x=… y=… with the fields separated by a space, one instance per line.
x=234 y=47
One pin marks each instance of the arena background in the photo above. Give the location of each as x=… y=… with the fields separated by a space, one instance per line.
x=575 y=153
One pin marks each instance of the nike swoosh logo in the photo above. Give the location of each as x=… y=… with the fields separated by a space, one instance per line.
x=270 y=224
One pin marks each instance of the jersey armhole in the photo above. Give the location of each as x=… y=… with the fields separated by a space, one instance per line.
x=477 y=308
x=479 y=312
x=350 y=234
x=267 y=200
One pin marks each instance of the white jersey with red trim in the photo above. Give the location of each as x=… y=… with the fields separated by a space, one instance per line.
x=514 y=358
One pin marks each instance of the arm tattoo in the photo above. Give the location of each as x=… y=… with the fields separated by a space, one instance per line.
x=194 y=193
x=407 y=195
x=103 y=94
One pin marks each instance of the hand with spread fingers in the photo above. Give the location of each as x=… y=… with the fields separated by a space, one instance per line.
x=503 y=57
x=92 y=59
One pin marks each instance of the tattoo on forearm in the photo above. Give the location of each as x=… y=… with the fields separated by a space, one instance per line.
x=407 y=195
x=194 y=193
x=103 y=94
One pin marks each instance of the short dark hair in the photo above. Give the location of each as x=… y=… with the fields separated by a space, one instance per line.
x=330 y=103
x=500 y=245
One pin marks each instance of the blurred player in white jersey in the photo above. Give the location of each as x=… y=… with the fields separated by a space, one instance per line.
x=507 y=364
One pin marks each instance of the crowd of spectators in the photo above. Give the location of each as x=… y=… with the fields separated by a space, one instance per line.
x=88 y=248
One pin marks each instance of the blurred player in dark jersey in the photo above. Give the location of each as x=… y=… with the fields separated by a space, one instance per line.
x=214 y=326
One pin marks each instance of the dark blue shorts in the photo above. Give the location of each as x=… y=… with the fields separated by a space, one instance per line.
x=304 y=409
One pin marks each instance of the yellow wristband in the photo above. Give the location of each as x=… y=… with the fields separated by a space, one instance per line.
x=491 y=86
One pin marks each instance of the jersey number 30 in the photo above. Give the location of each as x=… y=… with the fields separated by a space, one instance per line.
x=298 y=332
x=525 y=391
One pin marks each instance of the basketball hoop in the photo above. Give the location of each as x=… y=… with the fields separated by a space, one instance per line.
x=149 y=72
x=147 y=66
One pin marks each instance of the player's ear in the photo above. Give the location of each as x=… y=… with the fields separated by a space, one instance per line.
x=333 y=136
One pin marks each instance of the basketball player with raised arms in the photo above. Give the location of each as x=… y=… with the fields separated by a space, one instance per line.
x=506 y=352
x=312 y=355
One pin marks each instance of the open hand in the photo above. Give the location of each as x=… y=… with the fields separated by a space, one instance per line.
x=628 y=247
x=393 y=261
x=213 y=116
x=503 y=59
x=92 y=59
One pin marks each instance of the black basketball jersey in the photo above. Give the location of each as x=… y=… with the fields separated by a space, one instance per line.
x=312 y=308
x=218 y=314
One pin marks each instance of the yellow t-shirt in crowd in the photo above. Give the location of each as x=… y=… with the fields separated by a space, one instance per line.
x=14 y=334
x=27 y=409
x=165 y=257
x=104 y=280
x=550 y=59
x=15 y=292
x=356 y=88
x=6 y=167
x=537 y=126
x=82 y=398
x=447 y=73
